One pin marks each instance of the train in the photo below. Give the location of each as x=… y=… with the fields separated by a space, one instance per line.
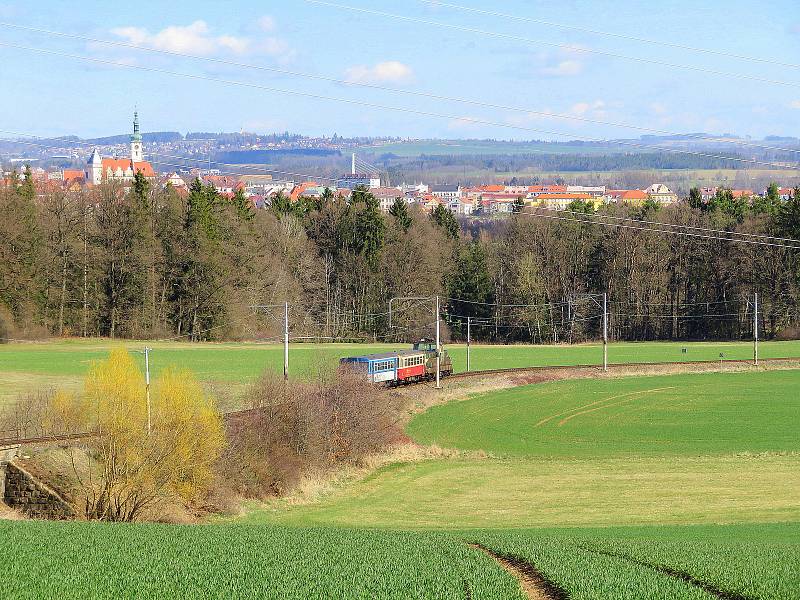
x=401 y=367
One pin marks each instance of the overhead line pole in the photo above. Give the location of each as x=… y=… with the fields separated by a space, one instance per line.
x=755 y=329
x=285 y=341
x=605 y=331
x=438 y=348
x=469 y=339
x=147 y=386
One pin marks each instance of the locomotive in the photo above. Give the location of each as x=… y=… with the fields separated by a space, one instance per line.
x=402 y=366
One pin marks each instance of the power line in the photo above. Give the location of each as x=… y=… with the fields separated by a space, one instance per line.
x=569 y=47
x=406 y=110
x=663 y=231
x=661 y=224
x=621 y=36
x=367 y=85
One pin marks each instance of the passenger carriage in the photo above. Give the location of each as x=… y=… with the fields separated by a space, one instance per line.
x=379 y=368
x=402 y=367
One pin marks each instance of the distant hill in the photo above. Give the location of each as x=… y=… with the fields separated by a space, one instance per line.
x=153 y=137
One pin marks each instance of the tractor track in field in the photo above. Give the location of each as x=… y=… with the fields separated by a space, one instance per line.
x=534 y=585
x=707 y=587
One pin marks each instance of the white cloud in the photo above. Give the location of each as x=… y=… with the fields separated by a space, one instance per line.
x=266 y=23
x=197 y=38
x=390 y=71
x=566 y=62
x=564 y=68
x=795 y=104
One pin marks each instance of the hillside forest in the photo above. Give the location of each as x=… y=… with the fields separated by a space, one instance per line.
x=146 y=262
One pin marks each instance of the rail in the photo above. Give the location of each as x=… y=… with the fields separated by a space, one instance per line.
x=462 y=375
x=596 y=367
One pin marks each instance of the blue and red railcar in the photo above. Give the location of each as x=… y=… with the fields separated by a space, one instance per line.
x=403 y=366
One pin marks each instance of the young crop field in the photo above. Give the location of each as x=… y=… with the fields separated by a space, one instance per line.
x=736 y=562
x=78 y=560
x=690 y=414
x=25 y=366
x=54 y=560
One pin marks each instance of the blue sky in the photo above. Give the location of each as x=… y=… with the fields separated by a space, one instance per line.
x=55 y=95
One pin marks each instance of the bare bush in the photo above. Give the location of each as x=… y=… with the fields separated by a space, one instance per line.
x=297 y=427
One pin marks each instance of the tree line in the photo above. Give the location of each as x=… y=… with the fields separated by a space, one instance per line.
x=151 y=262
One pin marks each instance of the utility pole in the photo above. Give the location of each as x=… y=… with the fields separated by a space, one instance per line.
x=755 y=330
x=285 y=341
x=469 y=322
x=147 y=386
x=605 y=331
x=438 y=347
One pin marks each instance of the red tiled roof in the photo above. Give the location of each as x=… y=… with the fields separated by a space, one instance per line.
x=627 y=194
x=299 y=189
x=70 y=174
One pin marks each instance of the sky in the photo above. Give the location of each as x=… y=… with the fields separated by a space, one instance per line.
x=523 y=68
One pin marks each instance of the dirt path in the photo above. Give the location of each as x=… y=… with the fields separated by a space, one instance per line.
x=533 y=583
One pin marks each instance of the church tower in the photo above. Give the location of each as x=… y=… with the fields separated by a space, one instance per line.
x=136 y=141
x=94 y=168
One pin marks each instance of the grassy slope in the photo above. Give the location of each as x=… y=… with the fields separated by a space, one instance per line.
x=711 y=413
x=542 y=493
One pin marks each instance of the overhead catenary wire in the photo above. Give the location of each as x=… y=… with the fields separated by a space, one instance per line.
x=621 y=36
x=673 y=225
x=402 y=109
x=538 y=42
x=662 y=231
x=375 y=86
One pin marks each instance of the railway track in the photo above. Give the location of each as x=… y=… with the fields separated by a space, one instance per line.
x=617 y=366
x=44 y=440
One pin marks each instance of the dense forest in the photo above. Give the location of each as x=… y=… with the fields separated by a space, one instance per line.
x=147 y=262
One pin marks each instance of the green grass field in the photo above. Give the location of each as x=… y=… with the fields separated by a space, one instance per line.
x=694 y=414
x=227 y=366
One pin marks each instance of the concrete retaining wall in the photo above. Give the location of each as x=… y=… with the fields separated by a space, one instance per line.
x=31 y=497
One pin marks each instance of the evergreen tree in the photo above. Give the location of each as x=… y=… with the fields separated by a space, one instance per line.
x=243 y=206
x=370 y=230
x=28 y=190
x=447 y=221
x=140 y=189
x=399 y=211
x=788 y=217
x=696 y=198
x=770 y=203
x=471 y=284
